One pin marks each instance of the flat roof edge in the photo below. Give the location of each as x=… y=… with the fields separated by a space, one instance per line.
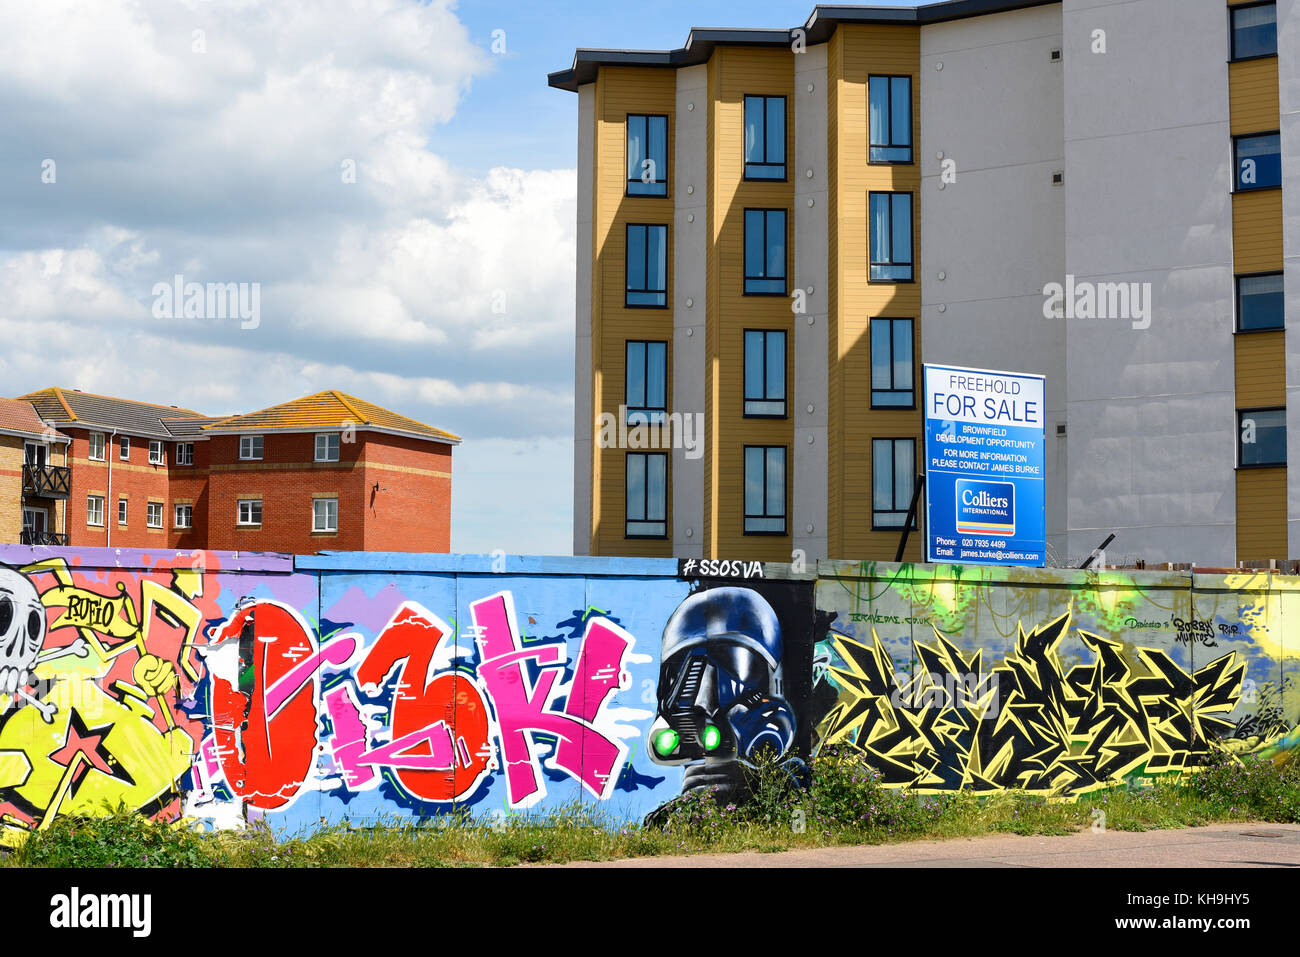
x=818 y=28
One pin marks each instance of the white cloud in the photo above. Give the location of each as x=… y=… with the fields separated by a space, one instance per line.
x=446 y=297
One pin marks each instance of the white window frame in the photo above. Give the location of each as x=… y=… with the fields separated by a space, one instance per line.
x=157 y=454
x=338 y=445
x=90 y=454
x=93 y=500
x=239 y=514
x=315 y=515
x=124 y=448
x=188 y=449
x=150 y=510
x=250 y=457
x=189 y=514
x=122 y=512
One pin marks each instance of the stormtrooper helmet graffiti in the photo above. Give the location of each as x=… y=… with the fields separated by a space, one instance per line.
x=720 y=682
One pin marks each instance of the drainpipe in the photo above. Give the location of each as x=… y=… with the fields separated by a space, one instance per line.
x=109 y=504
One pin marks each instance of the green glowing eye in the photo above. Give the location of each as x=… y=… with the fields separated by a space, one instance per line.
x=711 y=738
x=666 y=742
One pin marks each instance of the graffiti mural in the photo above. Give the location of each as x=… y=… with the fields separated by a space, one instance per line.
x=1028 y=723
x=1052 y=682
x=231 y=689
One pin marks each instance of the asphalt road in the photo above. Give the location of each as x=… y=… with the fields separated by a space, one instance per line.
x=1220 y=845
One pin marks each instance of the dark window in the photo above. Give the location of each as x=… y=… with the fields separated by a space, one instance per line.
x=891 y=237
x=645 y=394
x=890 y=119
x=1261 y=303
x=647 y=155
x=765 y=137
x=765 y=252
x=893 y=478
x=1259 y=161
x=647 y=495
x=764 y=490
x=1254 y=31
x=765 y=373
x=1261 y=437
x=892 y=375
x=647 y=266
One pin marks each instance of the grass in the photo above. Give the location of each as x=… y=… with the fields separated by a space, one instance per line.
x=844 y=804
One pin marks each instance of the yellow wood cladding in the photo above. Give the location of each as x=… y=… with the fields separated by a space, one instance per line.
x=734 y=73
x=1261 y=369
x=1261 y=514
x=1257 y=231
x=1253 y=105
x=857 y=52
x=620 y=91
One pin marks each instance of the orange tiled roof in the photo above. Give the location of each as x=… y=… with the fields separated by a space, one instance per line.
x=19 y=416
x=328 y=410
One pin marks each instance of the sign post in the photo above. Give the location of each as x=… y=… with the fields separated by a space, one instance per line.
x=986 y=479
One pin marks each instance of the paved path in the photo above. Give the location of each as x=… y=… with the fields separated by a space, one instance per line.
x=1220 y=845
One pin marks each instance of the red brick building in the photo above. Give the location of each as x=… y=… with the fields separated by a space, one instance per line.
x=324 y=472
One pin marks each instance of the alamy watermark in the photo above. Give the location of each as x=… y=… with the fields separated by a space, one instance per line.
x=659 y=430
x=1130 y=301
x=179 y=299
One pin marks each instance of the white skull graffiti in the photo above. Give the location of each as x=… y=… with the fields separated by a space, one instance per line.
x=22 y=630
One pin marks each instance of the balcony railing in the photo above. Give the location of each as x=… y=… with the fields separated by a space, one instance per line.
x=46 y=481
x=43 y=538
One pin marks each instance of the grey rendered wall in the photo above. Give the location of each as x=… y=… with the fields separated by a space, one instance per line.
x=1288 y=48
x=1148 y=172
x=996 y=234
x=583 y=414
x=690 y=253
x=811 y=330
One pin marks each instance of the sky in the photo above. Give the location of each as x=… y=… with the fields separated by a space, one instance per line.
x=400 y=192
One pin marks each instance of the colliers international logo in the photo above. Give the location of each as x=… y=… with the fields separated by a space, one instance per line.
x=986 y=508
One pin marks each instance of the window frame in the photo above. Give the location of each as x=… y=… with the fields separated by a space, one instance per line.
x=627 y=146
x=651 y=414
x=872 y=262
x=645 y=503
x=1237 y=327
x=239 y=513
x=189 y=459
x=1232 y=32
x=871 y=340
x=785 y=139
x=325 y=498
x=1241 y=413
x=894 y=441
x=124 y=448
x=161 y=458
x=123 y=513
x=785 y=504
x=176 y=516
x=745 y=398
x=1236 y=162
x=746 y=278
x=100 y=500
x=338 y=446
x=628 y=291
x=250 y=457
x=151 y=509
x=90 y=447
x=910 y=146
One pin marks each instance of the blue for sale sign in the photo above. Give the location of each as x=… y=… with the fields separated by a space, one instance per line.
x=985 y=471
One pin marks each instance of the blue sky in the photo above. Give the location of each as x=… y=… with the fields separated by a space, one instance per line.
x=212 y=139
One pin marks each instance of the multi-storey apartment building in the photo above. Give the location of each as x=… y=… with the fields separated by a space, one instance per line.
x=324 y=472
x=34 y=477
x=777 y=227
